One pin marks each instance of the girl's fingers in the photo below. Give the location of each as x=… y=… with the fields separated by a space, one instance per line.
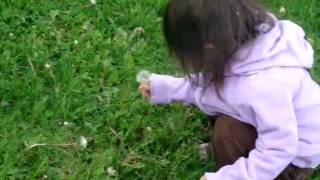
x=145 y=89
x=203 y=178
x=144 y=86
x=146 y=93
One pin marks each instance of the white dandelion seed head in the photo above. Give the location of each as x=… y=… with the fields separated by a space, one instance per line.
x=83 y=142
x=93 y=2
x=149 y=129
x=76 y=42
x=143 y=76
x=11 y=34
x=282 y=10
x=45 y=176
x=111 y=171
x=48 y=66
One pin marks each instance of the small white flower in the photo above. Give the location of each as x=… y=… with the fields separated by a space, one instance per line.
x=149 y=129
x=139 y=30
x=76 y=42
x=66 y=123
x=11 y=34
x=111 y=171
x=143 y=76
x=85 y=26
x=45 y=176
x=93 y=2
x=83 y=142
x=48 y=66
x=282 y=10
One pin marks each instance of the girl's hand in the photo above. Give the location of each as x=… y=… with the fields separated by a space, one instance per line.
x=203 y=178
x=144 y=89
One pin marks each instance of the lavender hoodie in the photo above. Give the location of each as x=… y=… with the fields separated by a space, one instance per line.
x=268 y=87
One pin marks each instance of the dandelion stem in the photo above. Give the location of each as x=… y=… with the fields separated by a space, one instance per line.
x=32 y=67
x=31 y=146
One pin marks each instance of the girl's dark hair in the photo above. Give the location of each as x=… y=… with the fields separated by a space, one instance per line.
x=204 y=35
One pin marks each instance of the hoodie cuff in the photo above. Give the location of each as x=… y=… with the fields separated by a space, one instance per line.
x=210 y=176
x=159 y=89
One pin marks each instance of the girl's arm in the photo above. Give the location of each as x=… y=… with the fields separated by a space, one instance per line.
x=166 y=89
x=277 y=143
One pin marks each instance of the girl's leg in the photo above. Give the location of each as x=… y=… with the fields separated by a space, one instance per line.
x=232 y=139
x=293 y=172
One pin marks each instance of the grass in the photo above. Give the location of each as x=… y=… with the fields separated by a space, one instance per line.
x=71 y=61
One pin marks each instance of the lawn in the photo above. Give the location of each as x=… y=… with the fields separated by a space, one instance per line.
x=67 y=69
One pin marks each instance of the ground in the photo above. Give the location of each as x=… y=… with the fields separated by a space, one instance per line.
x=68 y=69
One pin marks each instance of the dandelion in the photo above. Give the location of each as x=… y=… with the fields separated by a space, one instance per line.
x=11 y=34
x=48 y=66
x=83 y=142
x=143 y=76
x=93 y=2
x=45 y=177
x=76 y=42
x=282 y=10
x=111 y=171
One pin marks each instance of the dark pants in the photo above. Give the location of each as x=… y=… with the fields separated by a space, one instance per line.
x=232 y=139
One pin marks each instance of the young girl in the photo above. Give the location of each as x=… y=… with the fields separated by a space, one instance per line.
x=251 y=70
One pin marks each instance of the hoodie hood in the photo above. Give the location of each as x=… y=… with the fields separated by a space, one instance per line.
x=280 y=44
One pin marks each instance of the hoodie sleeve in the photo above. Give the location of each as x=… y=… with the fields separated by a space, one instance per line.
x=277 y=143
x=166 y=89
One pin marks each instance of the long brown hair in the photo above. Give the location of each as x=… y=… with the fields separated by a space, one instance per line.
x=205 y=34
